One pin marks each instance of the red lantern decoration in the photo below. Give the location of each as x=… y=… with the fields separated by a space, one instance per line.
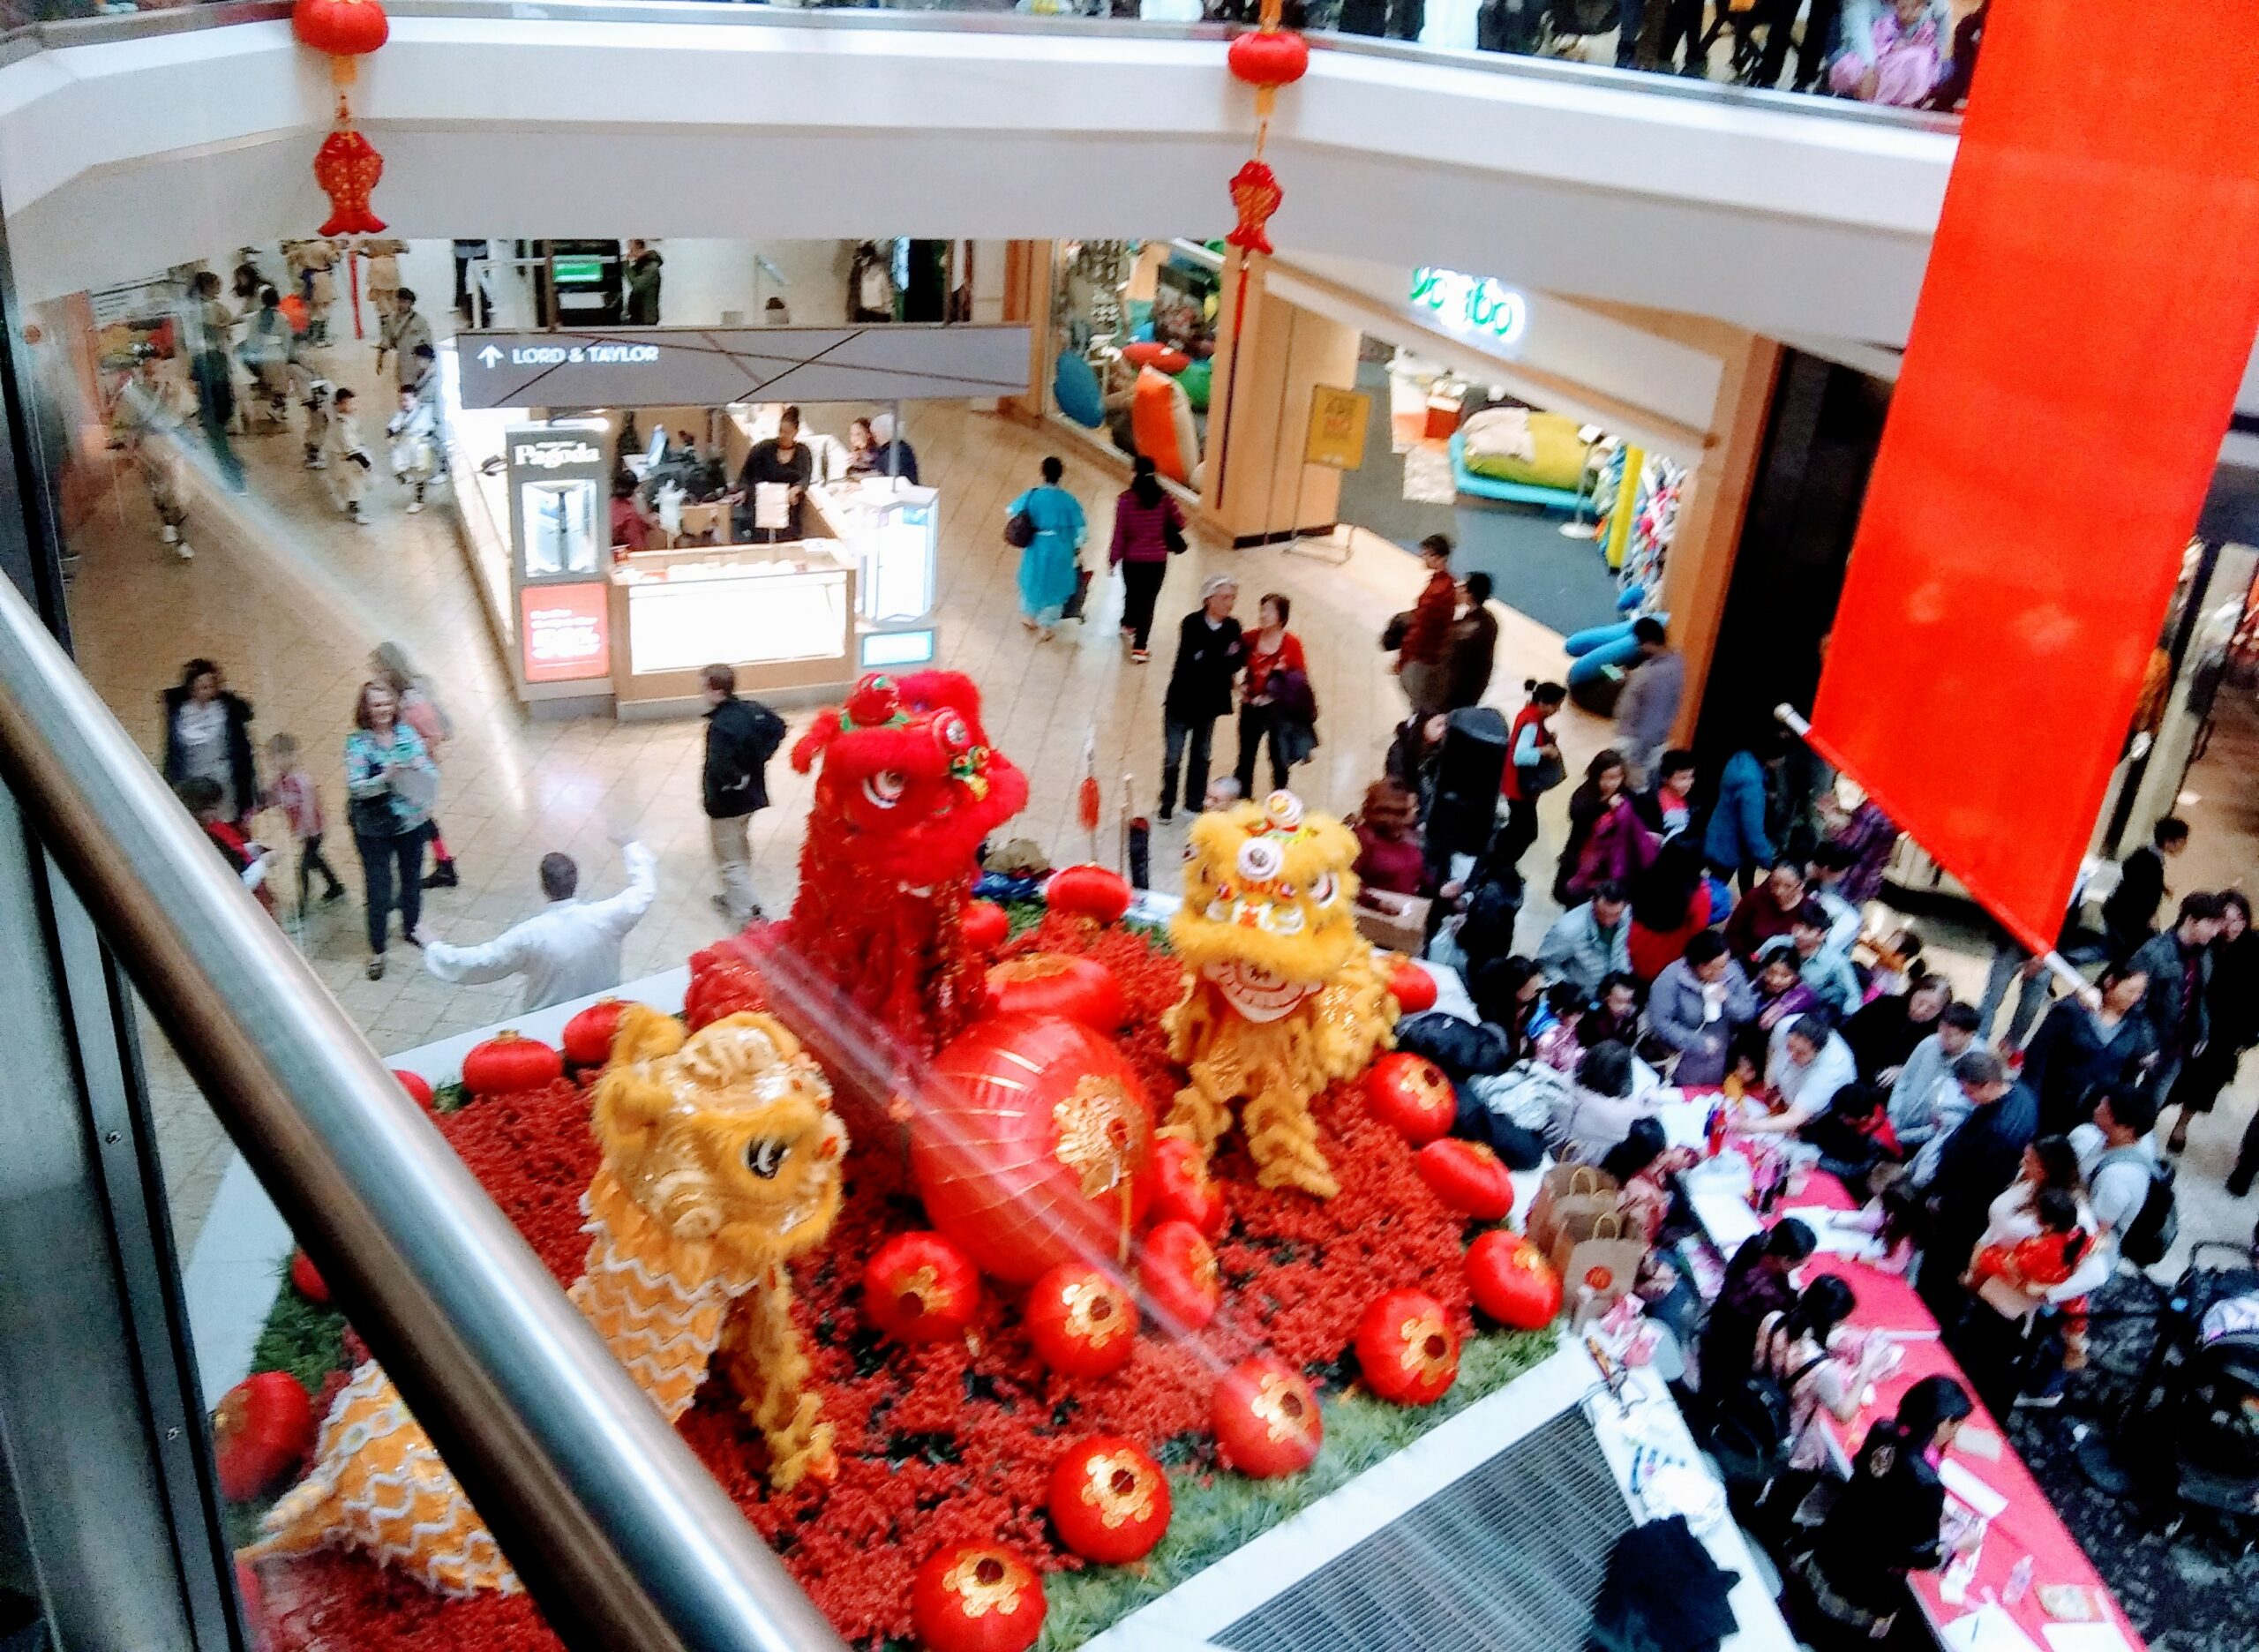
x=1512 y=1282
x=986 y=926
x=1179 y=1275
x=347 y=166
x=1082 y=1322
x=1057 y=984
x=977 y=1597
x=1109 y=1500
x=920 y=1288
x=306 y=1280
x=1410 y=1094
x=1468 y=1177
x=1030 y=1147
x=260 y=1434
x=587 y=1036
x=345 y=29
x=1089 y=892
x=507 y=1064
x=1255 y=195
x=418 y=1088
x=1407 y=1347
x=1412 y=986
x=1266 y=1419
x=1267 y=59
x=1182 y=1190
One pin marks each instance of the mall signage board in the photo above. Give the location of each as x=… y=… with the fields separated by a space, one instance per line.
x=565 y=632
x=628 y=367
x=1479 y=307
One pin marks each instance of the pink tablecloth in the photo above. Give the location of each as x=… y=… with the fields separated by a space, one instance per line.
x=2028 y=1525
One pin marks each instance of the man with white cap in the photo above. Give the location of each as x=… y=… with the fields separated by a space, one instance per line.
x=1209 y=656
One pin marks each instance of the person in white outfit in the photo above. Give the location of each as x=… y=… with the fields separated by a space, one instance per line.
x=414 y=431
x=348 y=454
x=568 y=949
x=148 y=419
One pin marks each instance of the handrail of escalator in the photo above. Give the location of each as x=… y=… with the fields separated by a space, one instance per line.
x=622 y=1536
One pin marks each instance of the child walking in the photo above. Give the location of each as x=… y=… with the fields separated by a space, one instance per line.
x=414 y=431
x=349 y=463
x=294 y=794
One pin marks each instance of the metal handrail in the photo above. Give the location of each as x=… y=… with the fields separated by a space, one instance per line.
x=619 y=1533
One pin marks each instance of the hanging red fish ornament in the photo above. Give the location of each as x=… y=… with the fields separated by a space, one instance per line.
x=1256 y=194
x=347 y=166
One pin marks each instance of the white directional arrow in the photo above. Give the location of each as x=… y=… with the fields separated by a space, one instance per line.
x=489 y=356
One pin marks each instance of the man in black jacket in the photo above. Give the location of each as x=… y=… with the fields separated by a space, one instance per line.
x=741 y=736
x=1209 y=654
x=1980 y=1159
x=2129 y=913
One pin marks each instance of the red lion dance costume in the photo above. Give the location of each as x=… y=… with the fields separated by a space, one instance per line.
x=908 y=789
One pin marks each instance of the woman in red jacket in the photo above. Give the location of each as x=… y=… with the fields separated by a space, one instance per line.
x=1272 y=651
x=1532 y=768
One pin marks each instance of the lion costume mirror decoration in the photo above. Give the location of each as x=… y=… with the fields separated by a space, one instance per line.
x=1283 y=996
x=721 y=1162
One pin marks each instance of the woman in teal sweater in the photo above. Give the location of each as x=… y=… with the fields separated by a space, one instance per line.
x=1049 y=566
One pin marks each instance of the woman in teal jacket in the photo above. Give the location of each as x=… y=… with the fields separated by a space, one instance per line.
x=1736 y=843
x=1049 y=570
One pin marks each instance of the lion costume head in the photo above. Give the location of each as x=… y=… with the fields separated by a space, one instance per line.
x=1269 y=904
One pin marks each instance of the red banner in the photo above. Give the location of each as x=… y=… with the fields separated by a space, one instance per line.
x=2091 y=301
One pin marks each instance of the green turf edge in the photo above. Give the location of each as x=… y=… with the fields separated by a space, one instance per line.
x=1215 y=1514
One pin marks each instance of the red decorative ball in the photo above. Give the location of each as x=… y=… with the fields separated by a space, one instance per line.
x=984 y=926
x=307 y=1282
x=507 y=1064
x=1109 y=1500
x=1031 y=1146
x=920 y=1288
x=1411 y=1095
x=1266 y=1419
x=1512 y=1282
x=1412 y=986
x=343 y=29
x=876 y=698
x=1083 y=1324
x=261 y=1432
x=1273 y=57
x=977 y=1597
x=1468 y=1177
x=587 y=1035
x=1089 y=892
x=418 y=1088
x=1407 y=1347
x=1178 y=1273
x=1057 y=984
x=1182 y=1190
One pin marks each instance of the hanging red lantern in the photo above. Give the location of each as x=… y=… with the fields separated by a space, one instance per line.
x=1255 y=195
x=347 y=166
x=1109 y=1500
x=260 y=1434
x=1512 y=1282
x=1178 y=1273
x=1410 y=1094
x=507 y=1064
x=345 y=29
x=1407 y=1347
x=1182 y=1190
x=1412 y=986
x=986 y=924
x=1030 y=1146
x=977 y=1597
x=306 y=1281
x=1267 y=59
x=920 y=1288
x=1266 y=1419
x=1083 y=1324
x=418 y=1088
x=1089 y=892
x=587 y=1036
x=1468 y=1177
x=1057 y=984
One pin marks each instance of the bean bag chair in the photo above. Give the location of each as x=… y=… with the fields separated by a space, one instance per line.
x=1074 y=385
x=1160 y=415
x=1198 y=379
x=1523 y=445
x=1159 y=357
x=1577 y=644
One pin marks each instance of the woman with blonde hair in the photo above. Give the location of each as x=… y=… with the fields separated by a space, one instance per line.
x=388 y=663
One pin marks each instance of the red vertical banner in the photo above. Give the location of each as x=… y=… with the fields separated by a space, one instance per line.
x=2090 y=304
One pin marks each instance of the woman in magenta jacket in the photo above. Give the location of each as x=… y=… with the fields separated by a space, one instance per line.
x=1147 y=526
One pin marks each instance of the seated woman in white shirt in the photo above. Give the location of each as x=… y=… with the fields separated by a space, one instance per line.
x=1809 y=1063
x=1599 y=1110
x=1793 y=1346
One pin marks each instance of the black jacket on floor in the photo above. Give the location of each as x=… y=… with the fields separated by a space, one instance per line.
x=1663 y=1593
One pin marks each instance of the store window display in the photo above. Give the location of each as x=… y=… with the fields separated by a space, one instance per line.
x=1136 y=325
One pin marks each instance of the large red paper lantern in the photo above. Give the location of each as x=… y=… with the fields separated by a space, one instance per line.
x=1512 y=1282
x=587 y=1036
x=1109 y=1500
x=1082 y=1322
x=1057 y=984
x=1412 y=986
x=306 y=1280
x=1468 y=1177
x=1410 y=1094
x=1178 y=1273
x=507 y=1064
x=1088 y=891
x=920 y=1288
x=1030 y=1145
x=343 y=29
x=1407 y=1347
x=977 y=1597
x=260 y=1434
x=1266 y=1419
x=1268 y=58
x=984 y=926
x=418 y=1088
x=1182 y=1190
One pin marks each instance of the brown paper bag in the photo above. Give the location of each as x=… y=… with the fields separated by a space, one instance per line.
x=1568 y=1187
x=1602 y=1259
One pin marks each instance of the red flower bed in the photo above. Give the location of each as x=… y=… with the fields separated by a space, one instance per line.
x=954 y=1441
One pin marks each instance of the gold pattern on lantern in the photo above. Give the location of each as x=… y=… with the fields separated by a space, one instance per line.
x=1098 y=1133
x=984 y=1583
x=1094 y=1312
x=1120 y=1487
x=1426 y=1347
x=1035 y=966
x=1285 y=1412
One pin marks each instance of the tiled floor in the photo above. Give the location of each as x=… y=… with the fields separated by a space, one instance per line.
x=290 y=598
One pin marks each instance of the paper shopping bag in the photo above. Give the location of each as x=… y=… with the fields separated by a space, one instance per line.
x=1580 y=1186
x=1605 y=1262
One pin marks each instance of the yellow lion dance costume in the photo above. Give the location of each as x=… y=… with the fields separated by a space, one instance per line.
x=721 y=1162
x=1282 y=996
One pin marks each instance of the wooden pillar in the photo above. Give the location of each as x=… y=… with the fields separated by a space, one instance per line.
x=1027 y=300
x=1710 y=514
x=1269 y=356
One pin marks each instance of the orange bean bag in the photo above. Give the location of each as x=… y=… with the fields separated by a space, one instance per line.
x=1161 y=417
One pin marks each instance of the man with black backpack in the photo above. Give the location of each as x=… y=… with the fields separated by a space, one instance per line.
x=2128 y=1187
x=741 y=736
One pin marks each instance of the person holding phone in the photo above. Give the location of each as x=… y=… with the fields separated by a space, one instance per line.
x=390 y=782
